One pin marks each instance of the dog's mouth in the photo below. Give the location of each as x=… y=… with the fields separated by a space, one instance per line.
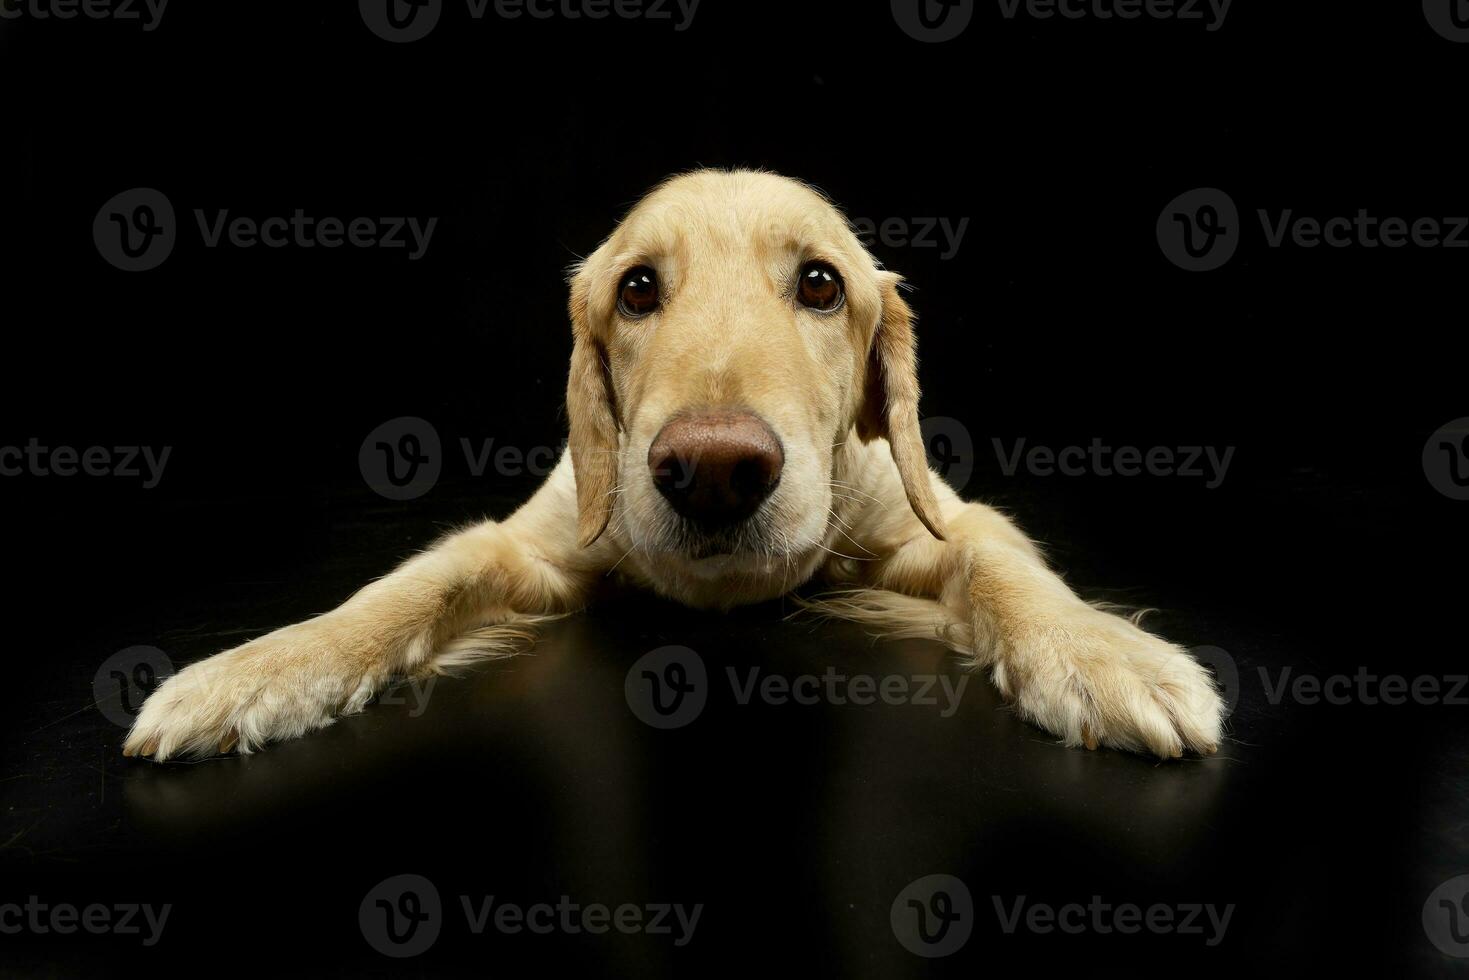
x=762 y=537
x=745 y=539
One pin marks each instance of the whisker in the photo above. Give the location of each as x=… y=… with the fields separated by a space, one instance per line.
x=847 y=486
x=620 y=560
x=840 y=555
x=851 y=500
x=860 y=547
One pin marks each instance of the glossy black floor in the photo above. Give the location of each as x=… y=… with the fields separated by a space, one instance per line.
x=1318 y=830
x=1327 y=828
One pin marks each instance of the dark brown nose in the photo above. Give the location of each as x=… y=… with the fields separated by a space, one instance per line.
x=715 y=468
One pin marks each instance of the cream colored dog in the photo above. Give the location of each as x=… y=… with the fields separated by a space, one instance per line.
x=744 y=419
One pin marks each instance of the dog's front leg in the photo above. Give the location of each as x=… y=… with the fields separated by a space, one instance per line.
x=1087 y=675
x=301 y=677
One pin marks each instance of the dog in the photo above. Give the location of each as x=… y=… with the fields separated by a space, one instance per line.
x=743 y=408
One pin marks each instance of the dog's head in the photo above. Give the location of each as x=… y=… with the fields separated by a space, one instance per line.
x=729 y=335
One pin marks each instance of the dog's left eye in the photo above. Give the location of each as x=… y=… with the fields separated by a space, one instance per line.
x=639 y=293
x=821 y=287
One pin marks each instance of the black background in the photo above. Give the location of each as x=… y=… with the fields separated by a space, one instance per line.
x=1058 y=321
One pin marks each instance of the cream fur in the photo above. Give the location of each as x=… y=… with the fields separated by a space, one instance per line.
x=856 y=505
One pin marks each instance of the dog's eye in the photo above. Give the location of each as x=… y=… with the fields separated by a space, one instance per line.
x=639 y=294
x=821 y=287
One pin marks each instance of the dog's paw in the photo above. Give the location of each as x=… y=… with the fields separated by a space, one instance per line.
x=1104 y=681
x=280 y=686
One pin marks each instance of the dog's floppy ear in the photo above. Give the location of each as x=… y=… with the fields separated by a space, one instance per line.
x=592 y=410
x=890 y=402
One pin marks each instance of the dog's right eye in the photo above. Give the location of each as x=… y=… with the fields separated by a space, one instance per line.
x=820 y=288
x=639 y=294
